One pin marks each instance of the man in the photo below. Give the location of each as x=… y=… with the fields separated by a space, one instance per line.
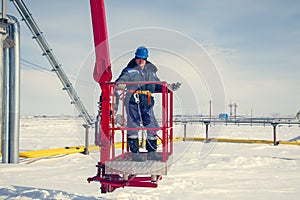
x=139 y=102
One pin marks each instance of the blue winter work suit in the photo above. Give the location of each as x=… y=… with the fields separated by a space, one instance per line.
x=144 y=109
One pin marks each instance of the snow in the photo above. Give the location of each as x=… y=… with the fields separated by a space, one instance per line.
x=200 y=170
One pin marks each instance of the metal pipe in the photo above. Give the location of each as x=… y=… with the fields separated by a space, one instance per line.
x=3 y=134
x=10 y=91
x=14 y=89
x=4 y=9
x=5 y=101
x=86 y=149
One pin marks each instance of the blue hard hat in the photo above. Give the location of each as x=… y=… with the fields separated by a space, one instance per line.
x=141 y=52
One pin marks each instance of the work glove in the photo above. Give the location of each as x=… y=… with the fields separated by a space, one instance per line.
x=174 y=86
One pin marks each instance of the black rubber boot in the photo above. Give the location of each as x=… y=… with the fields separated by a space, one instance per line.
x=134 y=148
x=133 y=145
x=151 y=146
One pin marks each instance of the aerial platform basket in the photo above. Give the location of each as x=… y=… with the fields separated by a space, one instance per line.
x=116 y=168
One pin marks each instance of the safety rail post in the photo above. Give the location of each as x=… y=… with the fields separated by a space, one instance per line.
x=112 y=113
x=164 y=121
x=171 y=121
x=274 y=124
x=123 y=124
x=206 y=131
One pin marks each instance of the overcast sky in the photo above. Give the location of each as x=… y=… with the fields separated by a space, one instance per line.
x=249 y=49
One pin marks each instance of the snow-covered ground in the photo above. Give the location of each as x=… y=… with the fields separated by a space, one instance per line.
x=200 y=170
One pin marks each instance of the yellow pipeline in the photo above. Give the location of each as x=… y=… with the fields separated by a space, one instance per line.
x=80 y=149
x=54 y=151
x=70 y=150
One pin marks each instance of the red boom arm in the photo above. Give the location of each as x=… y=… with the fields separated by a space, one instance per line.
x=102 y=71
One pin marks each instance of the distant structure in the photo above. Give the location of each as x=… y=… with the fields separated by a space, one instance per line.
x=210 y=110
x=235 y=106
x=230 y=107
x=298 y=115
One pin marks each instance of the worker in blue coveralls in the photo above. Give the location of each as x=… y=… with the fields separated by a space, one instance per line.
x=139 y=102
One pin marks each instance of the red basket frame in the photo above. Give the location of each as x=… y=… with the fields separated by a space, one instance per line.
x=110 y=182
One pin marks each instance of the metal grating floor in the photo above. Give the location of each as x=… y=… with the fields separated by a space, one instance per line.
x=148 y=167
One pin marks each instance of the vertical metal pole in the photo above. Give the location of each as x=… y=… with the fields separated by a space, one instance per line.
x=86 y=149
x=274 y=133
x=4 y=9
x=112 y=121
x=184 y=131
x=5 y=108
x=123 y=124
x=14 y=91
x=167 y=120
x=3 y=25
x=206 y=131
x=171 y=122
x=164 y=121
